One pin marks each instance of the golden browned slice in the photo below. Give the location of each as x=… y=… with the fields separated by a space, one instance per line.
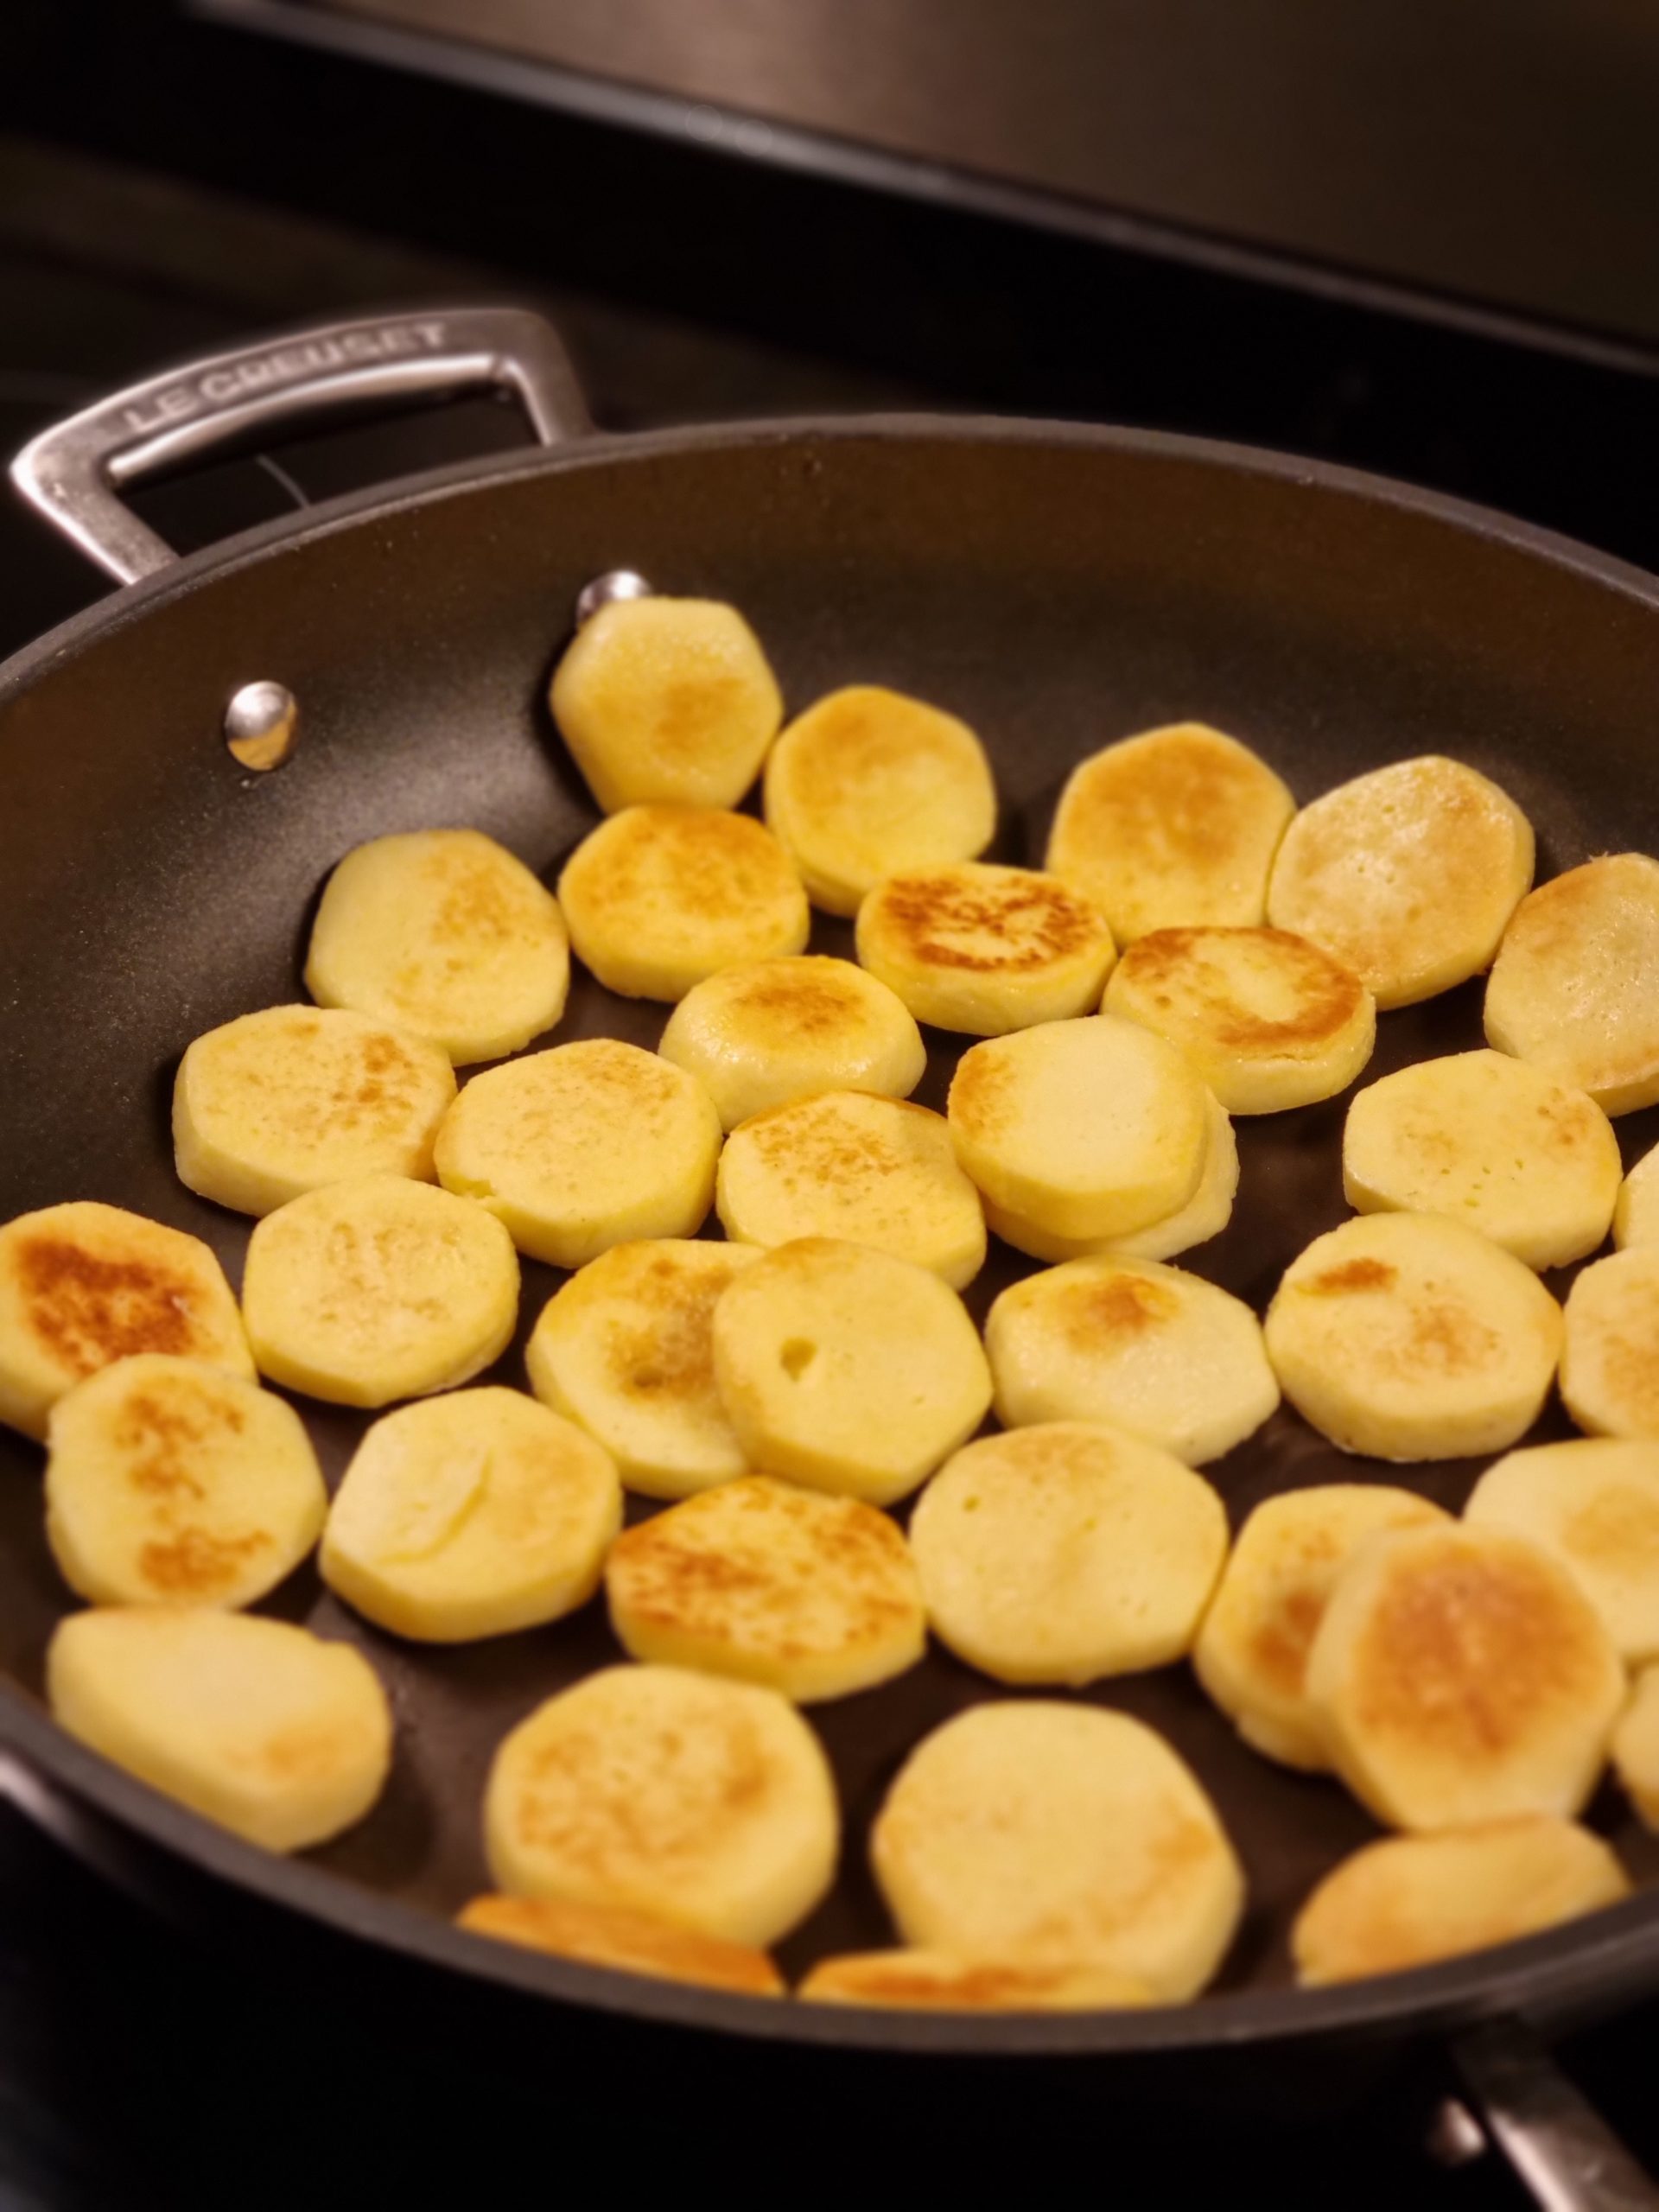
x=658 y=897
x=1206 y=1214
x=1572 y=989
x=626 y=1349
x=813 y=1596
x=83 y=1284
x=869 y=1171
x=1268 y=1020
x=1610 y=1363
x=700 y=1801
x=1251 y=1653
x=1636 y=1748
x=1594 y=1503
x=867 y=784
x=1055 y=1834
x=1175 y=828
x=632 y=1943
x=172 y=1484
x=985 y=950
x=1408 y=874
x=847 y=1368
x=1412 y=1899
x=935 y=1981
x=760 y=1035
x=443 y=933
x=1461 y=1674
x=666 y=699
x=288 y=1099
x=1406 y=1336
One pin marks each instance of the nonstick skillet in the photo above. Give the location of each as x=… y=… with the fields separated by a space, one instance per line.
x=1058 y=587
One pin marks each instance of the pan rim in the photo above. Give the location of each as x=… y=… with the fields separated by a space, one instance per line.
x=1605 y=1957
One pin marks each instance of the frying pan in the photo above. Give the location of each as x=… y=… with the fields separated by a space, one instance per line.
x=1058 y=587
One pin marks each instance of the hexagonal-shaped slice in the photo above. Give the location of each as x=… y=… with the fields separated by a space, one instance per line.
x=1573 y=987
x=935 y=1981
x=1636 y=1212
x=630 y=1943
x=1594 y=1503
x=1610 y=1362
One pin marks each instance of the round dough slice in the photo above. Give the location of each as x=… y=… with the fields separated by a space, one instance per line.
x=471 y=1516
x=625 y=1349
x=1251 y=1654
x=169 y=1484
x=1066 y=1552
x=759 y=1036
x=583 y=1147
x=706 y=1803
x=1460 y=1675
x=1167 y=1355
x=1206 y=1214
x=867 y=784
x=869 y=1171
x=985 y=950
x=1609 y=1365
x=1268 y=1020
x=1412 y=1899
x=1492 y=1142
x=1573 y=989
x=83 y=1284
x=631 y=1942
x=284 y=1101
x=815 y=1597
x=1176 y=827
x=275 y=1734
x=1060 y=1834
x=1593 y=1503
x=1408 y=874
x=659 y=896
x=444 y=934
x=379 y=1289
x=847 y=1368
x=1090 y=1129
x=1636 y=1748
x=934 y=1981
x=1407 y=1336
x=1636 y=1212
x=666 y=699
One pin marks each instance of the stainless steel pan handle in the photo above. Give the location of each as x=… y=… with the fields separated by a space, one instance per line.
x=74 y=472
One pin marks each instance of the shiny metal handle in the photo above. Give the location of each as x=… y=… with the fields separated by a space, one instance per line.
x=1559 y=2147
x=73 y=472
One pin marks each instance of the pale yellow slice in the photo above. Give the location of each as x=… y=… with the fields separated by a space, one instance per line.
x=625 y=1348
x=1066 y=1552
x=867 y=1171
x=1610 y=1365
x=583 y=1147
x=1177 y=827
x=378 y=1289
x=935 y=1981
x=1268 y=1020
x=1492 y=1142
x=704 y=1802
x=847 y=1368
x=172 y=1484
x=1461 y=1674
x=1407 y=1336
x=1408 y=874
x=1251 y=1653
x=470 y=1516
x=1636 y=1748
x=442 y=933
x=985 y=950
x=815 y=1597
x=659 y=896
x=266 y=1729
x=1574 y=987
x=1206 y=1214
x=1593 y=1503
x=286 y=1100
x=1091 y=1128
x=867 y=784
x=1636 y=1212
x=666 y=699
x=630 y=1943
x=1167 y=1355
x=83 y=1284
x=1056 y=1835
x=1412 y=1899
x=759 y=1036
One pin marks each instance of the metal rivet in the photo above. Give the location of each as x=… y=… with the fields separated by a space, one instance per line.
x=605 y=591
x=1455 y=2135
x=262 y=726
